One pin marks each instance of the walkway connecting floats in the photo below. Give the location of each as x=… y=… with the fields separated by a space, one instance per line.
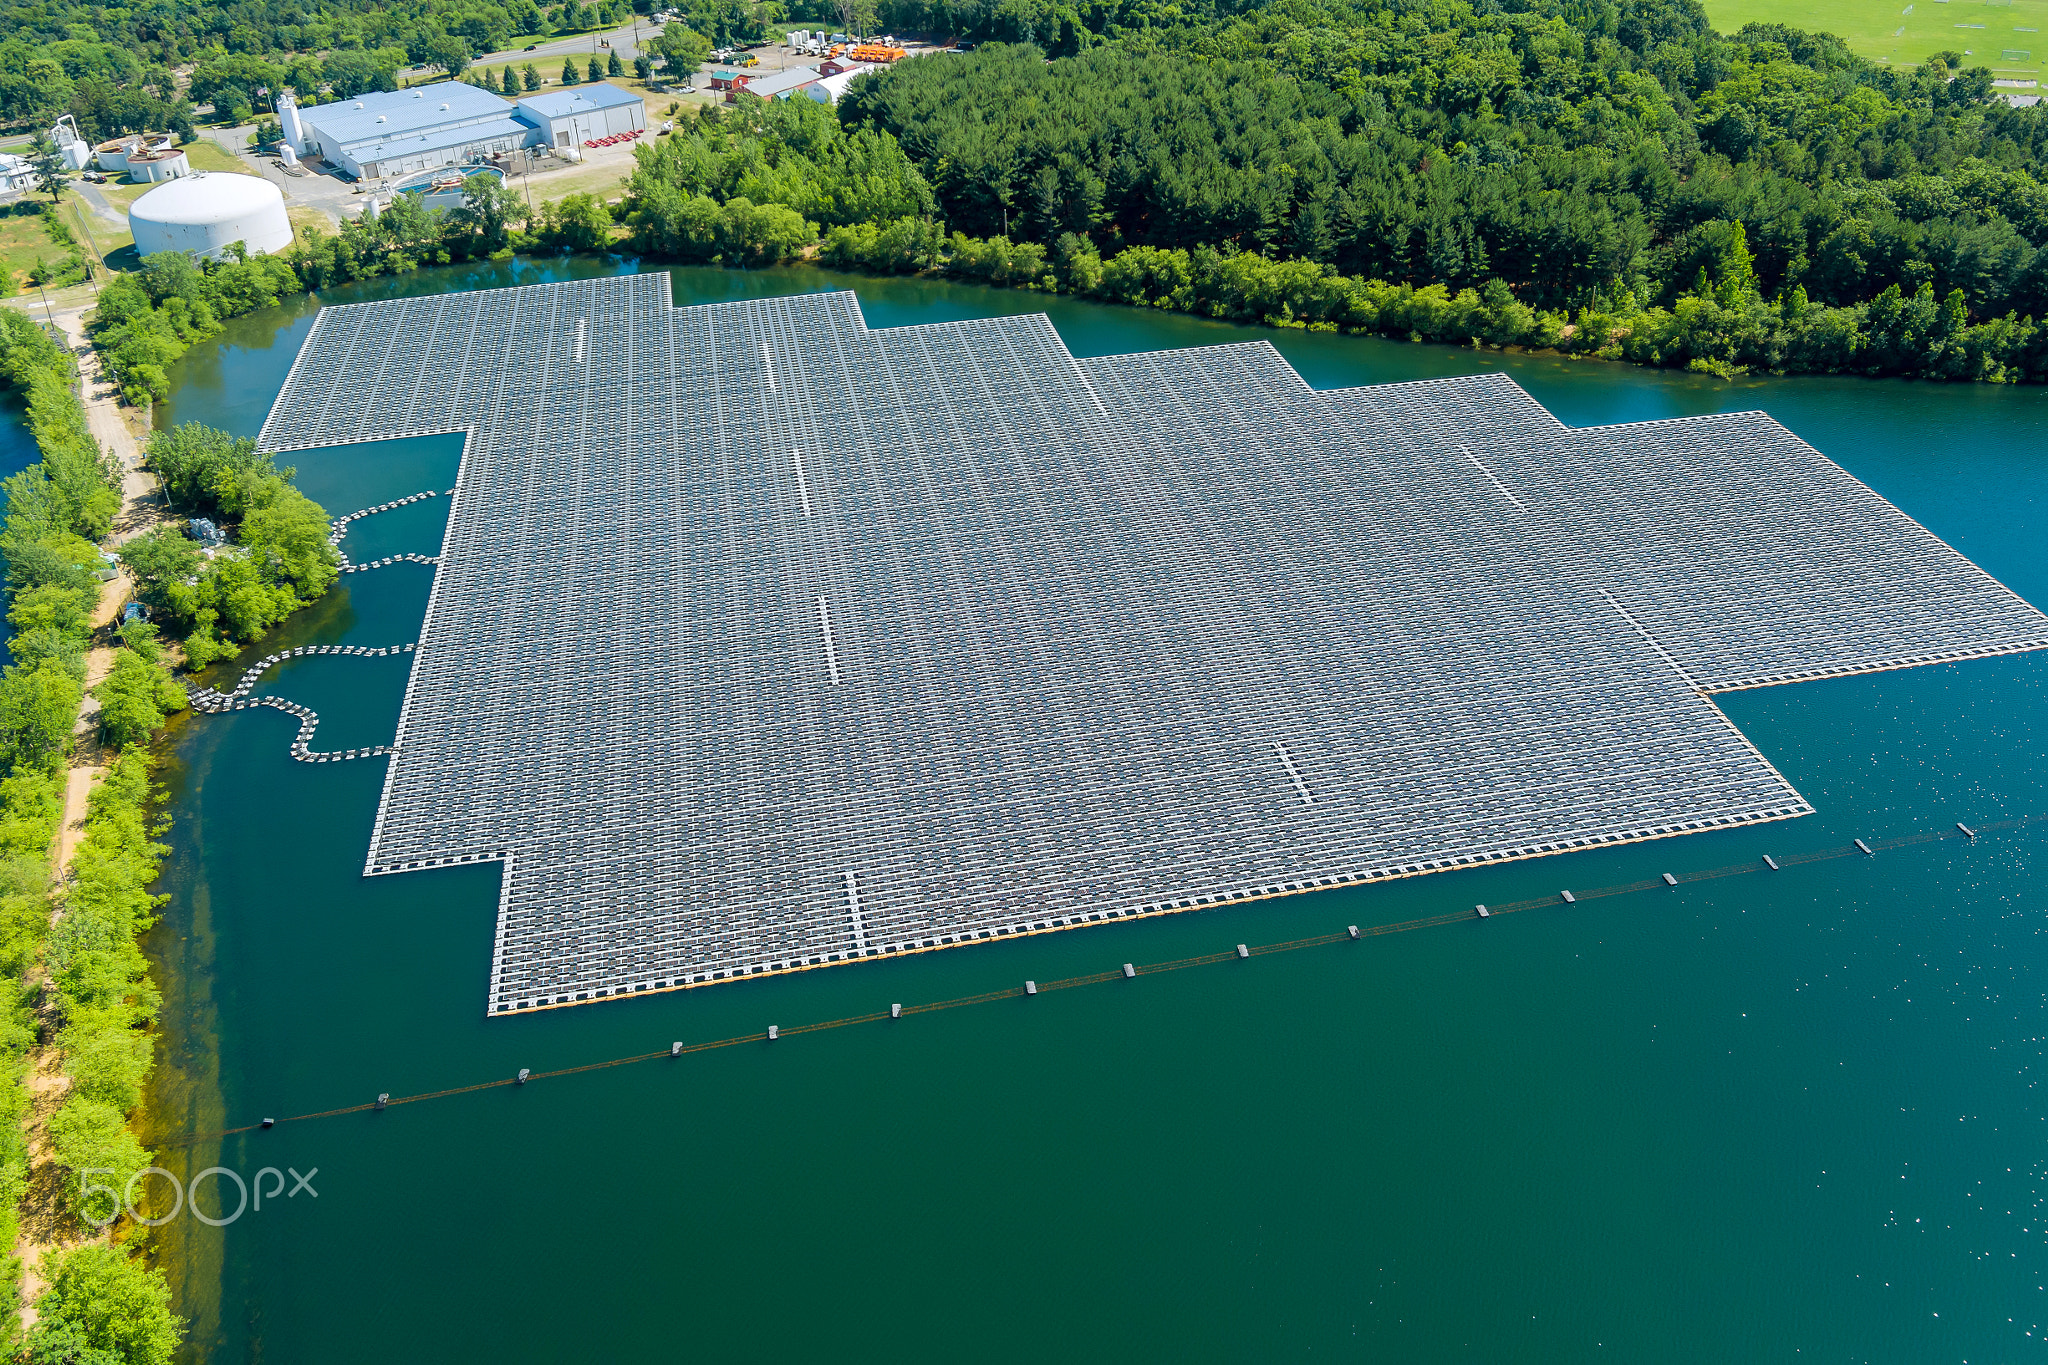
x=763 y=641
x=238 y=699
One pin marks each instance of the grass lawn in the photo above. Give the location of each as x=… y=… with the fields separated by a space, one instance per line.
x=303 y=216
x=207 y=155
x=23 y=238
x=2005 y=35
x=83 y=222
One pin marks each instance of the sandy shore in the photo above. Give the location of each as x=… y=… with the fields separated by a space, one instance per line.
x=44 y=1225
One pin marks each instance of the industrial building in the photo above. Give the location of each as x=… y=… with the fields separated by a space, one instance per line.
x=1035 y=643
x=207 y=214
x=379 y=136
x=577 y=114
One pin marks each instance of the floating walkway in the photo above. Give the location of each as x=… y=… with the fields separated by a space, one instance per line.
x=339 y=528
x=238 y=699
x=209 y=700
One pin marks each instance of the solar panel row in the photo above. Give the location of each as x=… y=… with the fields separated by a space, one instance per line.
x=762 y=640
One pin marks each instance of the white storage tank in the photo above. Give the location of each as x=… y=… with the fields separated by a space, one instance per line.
x=156 y=167
x=112 y=155
x=205 y=214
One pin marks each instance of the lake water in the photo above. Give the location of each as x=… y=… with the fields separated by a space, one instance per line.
x=1769 y=1117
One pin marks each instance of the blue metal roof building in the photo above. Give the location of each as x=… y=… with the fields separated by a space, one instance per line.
x=577 y=114
x=402 y=131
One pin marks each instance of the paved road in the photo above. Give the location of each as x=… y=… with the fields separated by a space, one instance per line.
x=101 y=209
x=583 y=44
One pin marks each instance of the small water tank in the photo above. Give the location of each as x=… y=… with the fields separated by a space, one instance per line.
x=113 y=155
x=204 y=214
x=156 y=167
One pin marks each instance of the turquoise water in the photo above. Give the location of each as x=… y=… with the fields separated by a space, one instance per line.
x=17 y=452
x=1768 y=1117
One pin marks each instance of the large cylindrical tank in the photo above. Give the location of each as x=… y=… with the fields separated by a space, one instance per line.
x=205 y=214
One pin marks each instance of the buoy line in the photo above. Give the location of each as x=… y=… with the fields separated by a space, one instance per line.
x=1350 y=933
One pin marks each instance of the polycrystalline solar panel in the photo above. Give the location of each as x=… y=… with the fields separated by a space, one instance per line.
x=762 y=640
x=1747 y=554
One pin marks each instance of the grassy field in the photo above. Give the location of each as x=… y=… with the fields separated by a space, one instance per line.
x=2009 y=36
x=23 y=238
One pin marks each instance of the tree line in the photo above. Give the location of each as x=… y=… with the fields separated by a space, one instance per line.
x=78 y=978
x=1625 y=183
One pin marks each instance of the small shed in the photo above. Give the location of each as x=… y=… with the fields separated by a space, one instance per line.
x=731 y=80
x=205 y=532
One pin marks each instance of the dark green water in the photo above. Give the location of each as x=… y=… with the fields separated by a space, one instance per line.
x=1788 y=1117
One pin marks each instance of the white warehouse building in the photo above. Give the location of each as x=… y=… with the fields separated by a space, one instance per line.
x=377 y=136
x=577 y=114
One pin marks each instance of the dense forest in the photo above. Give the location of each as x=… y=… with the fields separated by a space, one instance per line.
x=1613 y=179
x=1603 y=175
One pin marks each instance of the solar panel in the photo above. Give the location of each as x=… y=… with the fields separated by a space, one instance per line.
x=762 y=641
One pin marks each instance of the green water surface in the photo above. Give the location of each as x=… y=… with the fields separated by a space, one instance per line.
x=1787 y=1116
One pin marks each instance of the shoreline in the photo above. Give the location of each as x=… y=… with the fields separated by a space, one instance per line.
x=45 y=1227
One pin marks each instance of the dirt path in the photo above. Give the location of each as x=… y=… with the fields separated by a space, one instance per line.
x=45 y=1226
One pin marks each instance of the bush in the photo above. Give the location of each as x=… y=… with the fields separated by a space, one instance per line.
x=108 y=1302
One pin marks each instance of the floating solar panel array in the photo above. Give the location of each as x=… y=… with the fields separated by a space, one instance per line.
x=761 y=641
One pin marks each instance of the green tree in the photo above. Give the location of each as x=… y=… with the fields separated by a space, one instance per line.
x=119 y=1305
x=159 y=558
x=65 y=1343
x=569 y=75
x=643 y=67
x=445 y=51
x=287 y=539
x=683 y=49
x=134 y=698
x=613 y=66
x=580 y=222
x=761 y=234
x=486 y=208
x=532 y=78
x=595 y=69
x=48 y=165
x=37 y=707
x=208 y=472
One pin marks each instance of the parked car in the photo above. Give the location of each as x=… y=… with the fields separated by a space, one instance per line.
x=531 y=46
